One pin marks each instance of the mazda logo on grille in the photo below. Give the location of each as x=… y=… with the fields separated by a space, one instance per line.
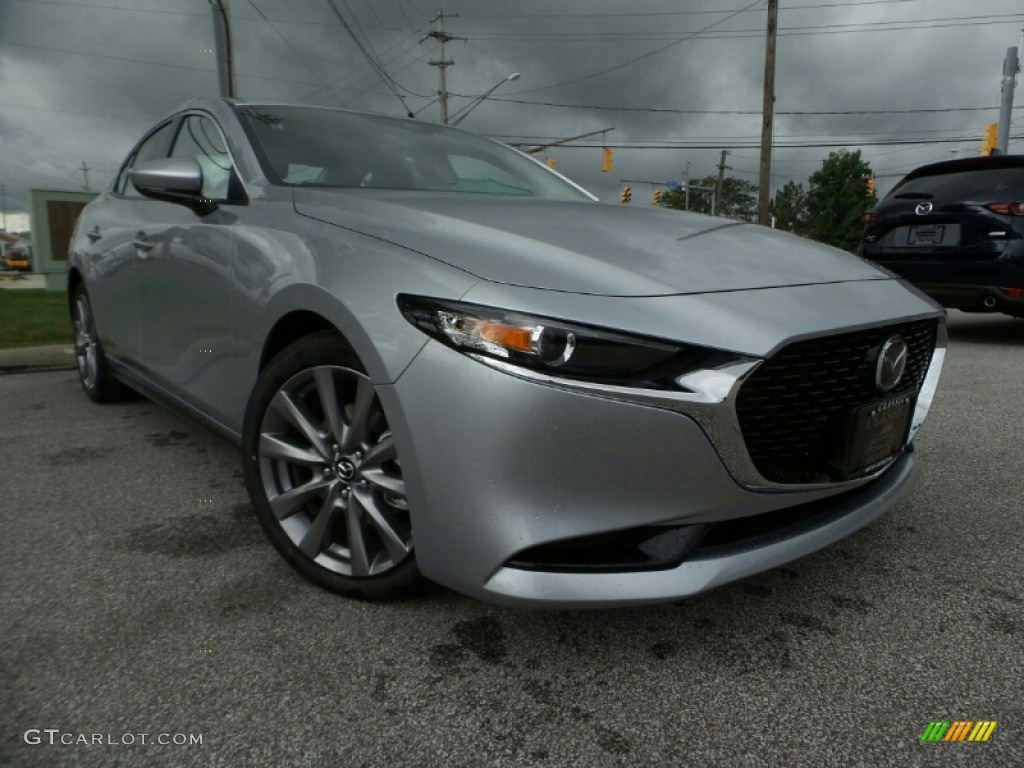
x=892 y=362
x=923 y=209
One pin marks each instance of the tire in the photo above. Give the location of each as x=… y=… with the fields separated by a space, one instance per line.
x=322 y=471
x=96 y=380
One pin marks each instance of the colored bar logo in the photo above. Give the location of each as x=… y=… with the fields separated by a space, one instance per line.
x=959 y=730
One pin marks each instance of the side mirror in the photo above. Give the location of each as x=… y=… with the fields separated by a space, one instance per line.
x=174 y=179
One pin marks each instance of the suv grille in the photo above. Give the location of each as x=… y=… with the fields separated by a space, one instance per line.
x=793 y=408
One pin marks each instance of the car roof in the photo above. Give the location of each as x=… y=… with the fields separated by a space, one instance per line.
x=986 y=163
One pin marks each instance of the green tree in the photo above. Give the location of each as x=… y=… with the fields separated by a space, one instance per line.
x=790 y=208
x=837 y=199
x=739 y=198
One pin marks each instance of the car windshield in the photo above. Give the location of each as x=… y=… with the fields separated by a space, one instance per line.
x=307 y=146
x=976 y=185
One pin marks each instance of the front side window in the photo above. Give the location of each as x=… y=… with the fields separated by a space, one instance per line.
x=303 y=146
x=153 y=148
x=198 y=138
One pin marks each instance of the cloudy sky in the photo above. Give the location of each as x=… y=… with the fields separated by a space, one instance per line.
x=906 y=81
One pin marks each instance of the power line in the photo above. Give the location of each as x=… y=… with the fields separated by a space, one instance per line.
x=106 y=115
x=109 y=7
x=355 y=24
x=234 y=16
x=369 y=5
x=354 y=78
x=290 y=46
x=415 y=60
x=376 y=65
x=401 y=9
x=715 y=144
x=144 y=61
x=668 y=110
x=376 y=58
x=736 y=34
x=642 y=57
x=669 y=13
x=832 y=135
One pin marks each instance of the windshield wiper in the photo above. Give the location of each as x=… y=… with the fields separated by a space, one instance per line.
x=915 y=196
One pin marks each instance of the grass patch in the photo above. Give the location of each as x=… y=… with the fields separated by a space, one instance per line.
x=33 y=318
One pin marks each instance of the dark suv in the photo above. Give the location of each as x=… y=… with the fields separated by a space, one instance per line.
x=956 y=231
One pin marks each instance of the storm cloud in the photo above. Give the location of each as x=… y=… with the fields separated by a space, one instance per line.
x=80 y=81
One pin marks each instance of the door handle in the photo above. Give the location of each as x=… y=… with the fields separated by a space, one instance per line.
x=142 y=242
x=94 y=234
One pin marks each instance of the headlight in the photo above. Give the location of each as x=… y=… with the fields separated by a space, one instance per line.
x=556 y=347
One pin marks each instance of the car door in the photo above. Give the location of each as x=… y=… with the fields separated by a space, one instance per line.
x=184 y=274
x=106 y=239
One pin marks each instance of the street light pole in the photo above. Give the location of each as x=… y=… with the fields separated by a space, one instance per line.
x=460 y=115
x=222 y=46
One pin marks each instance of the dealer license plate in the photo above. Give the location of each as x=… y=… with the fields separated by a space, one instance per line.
x=934 y=234
x=876 y=435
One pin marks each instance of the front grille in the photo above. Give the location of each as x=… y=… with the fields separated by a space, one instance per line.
x=793 y=409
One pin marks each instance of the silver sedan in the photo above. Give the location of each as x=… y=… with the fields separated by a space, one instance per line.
x=442 y=359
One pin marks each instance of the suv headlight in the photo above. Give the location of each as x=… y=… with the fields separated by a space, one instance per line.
x=557 y=347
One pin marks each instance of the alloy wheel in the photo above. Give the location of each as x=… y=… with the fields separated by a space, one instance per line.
x=86 y=348
x=330 y=472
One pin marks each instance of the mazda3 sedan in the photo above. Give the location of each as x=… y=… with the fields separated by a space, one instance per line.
x=443 y=360
x=956 y=231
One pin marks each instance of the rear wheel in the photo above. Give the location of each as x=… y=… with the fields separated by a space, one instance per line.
x=323 y=472
x=97 y=382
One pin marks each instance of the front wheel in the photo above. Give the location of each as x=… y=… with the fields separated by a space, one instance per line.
x=323 y=473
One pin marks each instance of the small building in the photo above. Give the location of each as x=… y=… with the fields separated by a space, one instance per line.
x=53 y=213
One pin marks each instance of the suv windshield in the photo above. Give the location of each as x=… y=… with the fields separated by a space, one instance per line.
x=308 y=146
x=984 y=185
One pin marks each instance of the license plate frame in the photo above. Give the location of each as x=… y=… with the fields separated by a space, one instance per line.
x=926 y=234
x=876 y=434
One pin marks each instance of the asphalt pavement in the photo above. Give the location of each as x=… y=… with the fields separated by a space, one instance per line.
x=138 y=596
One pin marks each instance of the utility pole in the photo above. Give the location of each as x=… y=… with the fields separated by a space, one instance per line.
x=764 y=181
x=223 y=50
x=85 y=175
x=3 y=204
x=716 y=201
x=686 y=176
x=441 y=62
x=1010 y=68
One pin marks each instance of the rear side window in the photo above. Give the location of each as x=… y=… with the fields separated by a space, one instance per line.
x=986 y=185
x=153 y=148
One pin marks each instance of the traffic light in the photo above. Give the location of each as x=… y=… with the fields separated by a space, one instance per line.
x=988 y=140
x=656 y=196
x=627 y=194
x=606 y=161
x=550 y=162
x=869 y=185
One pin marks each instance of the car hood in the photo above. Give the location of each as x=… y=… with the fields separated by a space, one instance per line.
x=585 y=247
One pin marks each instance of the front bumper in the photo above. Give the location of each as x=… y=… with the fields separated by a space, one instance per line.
x=715 y=566
x=497 y=465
